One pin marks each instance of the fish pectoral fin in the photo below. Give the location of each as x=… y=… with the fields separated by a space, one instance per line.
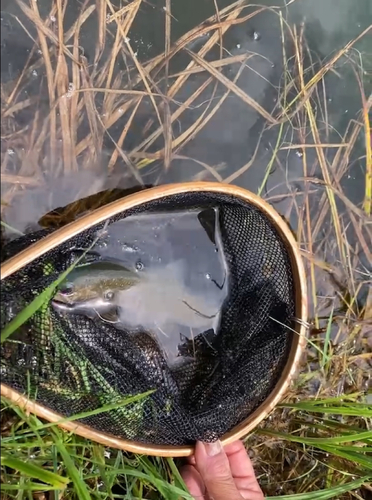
x=110 y=316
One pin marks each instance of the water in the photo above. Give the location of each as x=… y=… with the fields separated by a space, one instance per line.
x=235 y=145
x=180 y=277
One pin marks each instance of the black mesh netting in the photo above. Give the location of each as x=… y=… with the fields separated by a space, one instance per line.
x=72 y=364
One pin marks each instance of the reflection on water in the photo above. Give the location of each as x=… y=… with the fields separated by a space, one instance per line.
x=60 y=145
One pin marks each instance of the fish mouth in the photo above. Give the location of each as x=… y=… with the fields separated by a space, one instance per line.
x=61 y=302
x=90 y=307
x=61 y=305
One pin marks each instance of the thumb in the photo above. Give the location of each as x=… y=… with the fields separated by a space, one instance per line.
x=214 y=469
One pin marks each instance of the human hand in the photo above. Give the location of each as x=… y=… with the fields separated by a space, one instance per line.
x=215 y=473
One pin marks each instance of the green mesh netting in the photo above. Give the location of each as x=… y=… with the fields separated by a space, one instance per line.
x=73 y=364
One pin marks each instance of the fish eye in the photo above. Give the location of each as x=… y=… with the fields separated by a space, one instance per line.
x=68 y=289
x=109 y=295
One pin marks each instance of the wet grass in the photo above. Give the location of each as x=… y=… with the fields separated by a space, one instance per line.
x=317 y=455
x=318 y=443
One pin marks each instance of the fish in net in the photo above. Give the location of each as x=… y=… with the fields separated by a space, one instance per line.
x=76 y=364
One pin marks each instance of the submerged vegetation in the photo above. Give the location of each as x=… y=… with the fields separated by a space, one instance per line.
x=69 y=111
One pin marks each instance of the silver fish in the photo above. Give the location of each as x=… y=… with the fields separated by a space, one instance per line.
x=91 y=289
x=137 y=299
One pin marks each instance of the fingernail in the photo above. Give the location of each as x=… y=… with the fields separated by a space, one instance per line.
x=213 y=449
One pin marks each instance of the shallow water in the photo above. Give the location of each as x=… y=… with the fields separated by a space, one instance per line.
x=147 y=264
x=236 y=143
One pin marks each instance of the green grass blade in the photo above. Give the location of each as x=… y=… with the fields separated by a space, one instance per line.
x=360 y=436
x=328 y=425
x=354 y=410
x=168 y=490
x=334 y=492
x=11 y=228
x=28 y=487
x=357 y=449
x=358 y=458
x=36 y=472
x=98 y=411
x=98 y=455
x=38 y=301
x=80 y=486
x=269 y=166
x=153 y=476
x=342 y=400
x=34 y=306
x=176 y=473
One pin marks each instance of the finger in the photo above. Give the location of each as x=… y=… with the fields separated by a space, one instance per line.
x=252 y=492
x=240 y=463
x=214 y=468
x=193 y=481
x=242 y=469
x=251 y=495
x=191 y=460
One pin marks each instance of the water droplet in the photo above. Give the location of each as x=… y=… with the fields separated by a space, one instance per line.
x=139 y=265
x=127 y=248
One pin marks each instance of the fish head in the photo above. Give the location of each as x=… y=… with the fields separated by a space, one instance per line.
x=84 y=296
x=94 y=289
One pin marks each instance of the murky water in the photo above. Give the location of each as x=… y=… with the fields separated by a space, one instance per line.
x=236 y=144
x=145 y=277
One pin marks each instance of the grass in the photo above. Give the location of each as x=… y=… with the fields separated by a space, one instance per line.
x=317 y=444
